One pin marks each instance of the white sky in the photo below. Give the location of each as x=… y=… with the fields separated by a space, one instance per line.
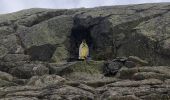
x=7 y=6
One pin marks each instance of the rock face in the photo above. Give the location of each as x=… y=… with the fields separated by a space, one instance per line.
x=55 y=35
x=129 y=47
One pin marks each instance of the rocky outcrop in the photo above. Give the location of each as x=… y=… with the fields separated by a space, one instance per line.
x=118 y=31
x=129 y=53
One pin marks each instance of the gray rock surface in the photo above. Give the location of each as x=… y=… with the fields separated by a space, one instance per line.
x=130 y=43
x=28 y=70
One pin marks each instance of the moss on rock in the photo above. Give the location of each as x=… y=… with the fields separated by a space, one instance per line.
x=90 y=67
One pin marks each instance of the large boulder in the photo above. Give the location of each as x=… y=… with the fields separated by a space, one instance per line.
x=6 y=76
x=45 y=80
x=46 y=41
x=83 y=71
x=28 y=70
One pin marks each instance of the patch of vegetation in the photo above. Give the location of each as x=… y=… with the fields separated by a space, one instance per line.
x=91 y=67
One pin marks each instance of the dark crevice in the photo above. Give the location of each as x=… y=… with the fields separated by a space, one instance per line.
x=19 y=41
x=79 y=33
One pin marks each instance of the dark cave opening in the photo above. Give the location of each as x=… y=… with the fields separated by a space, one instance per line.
x=98 y=34
x=78 y=34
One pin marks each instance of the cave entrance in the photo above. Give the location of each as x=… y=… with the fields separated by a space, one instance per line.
x=78 y=34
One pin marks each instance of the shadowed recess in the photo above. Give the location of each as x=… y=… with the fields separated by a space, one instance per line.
x=42 y=52
x=78 y=34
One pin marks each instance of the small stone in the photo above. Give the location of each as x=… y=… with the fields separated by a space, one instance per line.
x=130 y=64
x=40 y=70
x=127 y=73
x=112 y=67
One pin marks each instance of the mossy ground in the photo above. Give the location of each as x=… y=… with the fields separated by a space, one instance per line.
x=84 y=70
x=89 y=67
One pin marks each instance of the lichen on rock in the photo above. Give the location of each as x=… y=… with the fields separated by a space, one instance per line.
x=129 y=53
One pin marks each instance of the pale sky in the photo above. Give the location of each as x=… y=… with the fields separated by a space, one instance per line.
x=8 y=6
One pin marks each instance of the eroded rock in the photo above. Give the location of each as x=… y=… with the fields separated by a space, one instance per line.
x=28 y=70
x=138 y=32
x=45 y=80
